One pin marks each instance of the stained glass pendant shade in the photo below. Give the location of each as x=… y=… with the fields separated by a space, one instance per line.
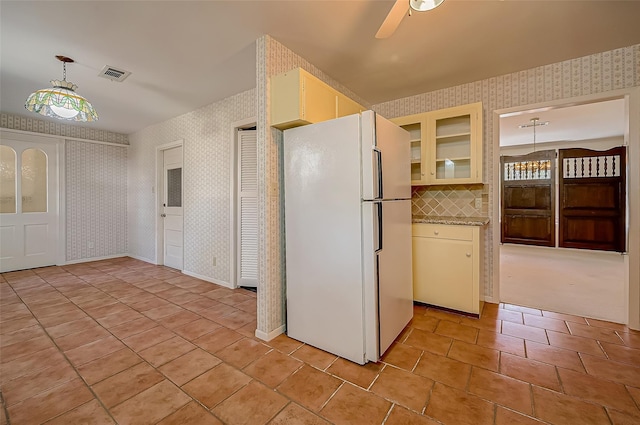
x=424 y=5
x=61 y=101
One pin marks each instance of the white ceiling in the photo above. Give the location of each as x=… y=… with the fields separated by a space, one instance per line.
x=567 y=124
x=184 y=55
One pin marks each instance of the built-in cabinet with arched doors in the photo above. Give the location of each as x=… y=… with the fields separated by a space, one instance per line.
x=28 y=202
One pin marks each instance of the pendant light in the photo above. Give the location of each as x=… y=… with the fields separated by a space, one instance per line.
x=424 y=5
x=531 y=169
x=61 y=101
x=535 y=122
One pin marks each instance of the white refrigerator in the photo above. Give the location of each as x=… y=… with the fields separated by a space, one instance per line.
x=348 y=235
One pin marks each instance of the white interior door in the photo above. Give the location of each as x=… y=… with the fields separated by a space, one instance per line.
x=28 y=204
x=247 y=264
x=172 y=208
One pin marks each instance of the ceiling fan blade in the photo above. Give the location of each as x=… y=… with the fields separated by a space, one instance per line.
x=391 y=22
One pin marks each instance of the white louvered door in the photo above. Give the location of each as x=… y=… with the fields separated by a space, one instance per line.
x=247 y=264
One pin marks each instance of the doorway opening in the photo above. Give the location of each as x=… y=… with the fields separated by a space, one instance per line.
x=537 y=272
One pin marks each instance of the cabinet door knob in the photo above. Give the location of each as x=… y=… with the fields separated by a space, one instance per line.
x=468 y=254
x=435 y=232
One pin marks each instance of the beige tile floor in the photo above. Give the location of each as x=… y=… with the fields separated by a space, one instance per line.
x=122 y=341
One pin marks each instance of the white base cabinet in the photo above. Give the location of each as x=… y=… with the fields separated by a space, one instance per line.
x=447 y=266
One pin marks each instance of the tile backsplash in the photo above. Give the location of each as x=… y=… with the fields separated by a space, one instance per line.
x=464 y=200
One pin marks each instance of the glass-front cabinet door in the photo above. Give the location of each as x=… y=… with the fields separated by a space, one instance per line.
x=446 y=145
x=415 y=125
x=455 y=150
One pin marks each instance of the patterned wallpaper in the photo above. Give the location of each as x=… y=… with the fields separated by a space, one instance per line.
x=207 y=164
x=96 y=200
x=96 y=186
x=207 y=178
x=601 y=72
x=273 y=58
x=19 y=122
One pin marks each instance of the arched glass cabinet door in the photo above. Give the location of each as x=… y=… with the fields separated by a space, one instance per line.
x=29 y=214
x=7 y=180
x=33 y=176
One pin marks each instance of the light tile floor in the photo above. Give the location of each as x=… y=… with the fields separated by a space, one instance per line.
x=122 y=341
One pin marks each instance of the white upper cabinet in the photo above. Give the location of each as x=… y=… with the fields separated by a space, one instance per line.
x=298 y=98
x=446 y=145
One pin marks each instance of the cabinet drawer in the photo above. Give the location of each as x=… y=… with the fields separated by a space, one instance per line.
x=443 y=231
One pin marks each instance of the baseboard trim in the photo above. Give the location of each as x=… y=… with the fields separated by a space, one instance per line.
x=146 y=260
x=208 y=279
x=268 y=336
x=88 y=260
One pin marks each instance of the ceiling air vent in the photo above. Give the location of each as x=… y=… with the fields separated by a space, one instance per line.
x=113 y=74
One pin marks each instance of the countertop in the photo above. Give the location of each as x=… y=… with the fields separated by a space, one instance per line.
x=463 y=221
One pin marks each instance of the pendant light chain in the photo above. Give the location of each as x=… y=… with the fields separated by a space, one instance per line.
x=529 y=169
x=534 y=120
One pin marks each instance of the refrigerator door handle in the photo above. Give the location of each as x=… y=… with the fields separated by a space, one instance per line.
x=378 y=228
x=378 y=173
x=379 y=352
